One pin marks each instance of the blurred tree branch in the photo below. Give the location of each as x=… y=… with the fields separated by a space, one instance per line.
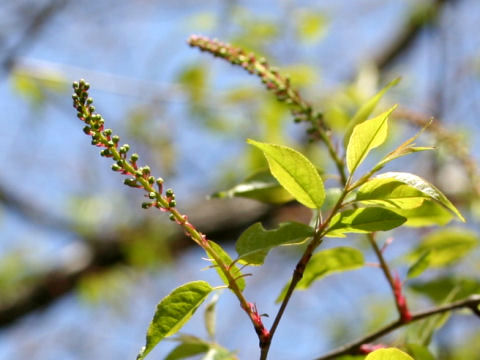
x=223 y=221
x=33 y=28
x=420 y=17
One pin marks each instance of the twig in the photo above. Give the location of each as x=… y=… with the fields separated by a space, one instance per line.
x=353 y=348
x=414 y=24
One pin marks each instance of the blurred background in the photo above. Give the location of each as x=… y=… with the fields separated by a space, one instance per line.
x=82 y=266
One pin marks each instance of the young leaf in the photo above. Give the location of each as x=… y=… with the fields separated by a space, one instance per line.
x=326 y=262
x=390 y=193
x=236 y=273
x=404 y=149
x=364 y=220
x=427 y=214
x=294 y=172
x=255 y=242
x=365 y=137
x=388 y=354
x=210 y=316
x=261 y=186
x=365 y=110
x=446 y=246
x=173 y=312
x=187 y=349
x=219 y=353
x=419 y=266
x=425 y=187
x=191 y=345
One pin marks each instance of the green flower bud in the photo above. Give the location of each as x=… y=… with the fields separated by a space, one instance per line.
x=146 y=205
x=172 y=203
x=169 y=193
x=145 y=170
x=105 y=152
x=134 y=157
x=131 y=182
x=152 y=195
x=115 y=167
x=115 y=139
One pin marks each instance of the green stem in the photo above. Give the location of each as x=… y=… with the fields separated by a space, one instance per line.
x=194 y=234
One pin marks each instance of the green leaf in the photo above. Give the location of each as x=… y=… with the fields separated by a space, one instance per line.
x=236 y=273
x=425 y=187
x=388 y=354
x=429 y=213
x=261 y=186
x=191 y=345
x=404 y=149
x=440 y=288
x=446 y=246
x=365 y=137
x=364 y=220
x=294 y=172
x=326 y=262
x=419 y=266
x=219 y=353
x=331 y=197
x=419 y=352
x=365 y=110
x=210 y=316
x=186 y=350
x=255 y=242
x=390 y=193
x=173 y=312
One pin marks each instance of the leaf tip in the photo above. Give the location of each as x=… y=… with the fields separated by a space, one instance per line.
x=395 y=81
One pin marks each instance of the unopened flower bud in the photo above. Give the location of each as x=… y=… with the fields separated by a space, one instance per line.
x=105 y=152
x=145 y=170
x=146 y=205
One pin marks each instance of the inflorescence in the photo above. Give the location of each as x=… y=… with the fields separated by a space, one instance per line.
x=139 y=177
x=270 y=76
